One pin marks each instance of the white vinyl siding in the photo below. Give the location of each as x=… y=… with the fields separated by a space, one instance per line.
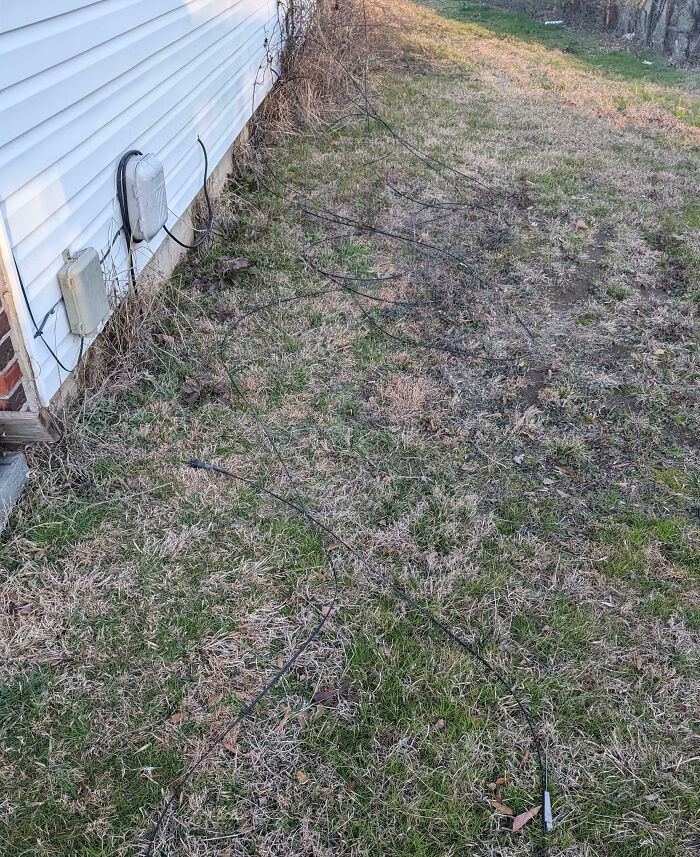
x=83 y=82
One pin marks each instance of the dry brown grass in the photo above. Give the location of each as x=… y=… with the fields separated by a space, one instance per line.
x=544 y=508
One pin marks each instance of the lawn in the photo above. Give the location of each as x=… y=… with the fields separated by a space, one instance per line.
x=541 y=496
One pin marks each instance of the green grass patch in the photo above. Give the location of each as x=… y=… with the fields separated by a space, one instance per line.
x=628 y=66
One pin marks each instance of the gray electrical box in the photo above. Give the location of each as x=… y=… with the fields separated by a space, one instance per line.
x=145 y=196
x=84 y=292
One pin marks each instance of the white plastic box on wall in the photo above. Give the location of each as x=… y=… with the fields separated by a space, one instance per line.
x=81 y=83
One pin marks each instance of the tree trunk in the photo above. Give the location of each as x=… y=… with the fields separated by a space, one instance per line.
x=656 y=10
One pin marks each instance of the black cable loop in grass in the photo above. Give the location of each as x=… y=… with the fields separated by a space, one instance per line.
x=408 y=599
x=342 y=284
x=343 y=279
x=318 y=528
x=326 y=612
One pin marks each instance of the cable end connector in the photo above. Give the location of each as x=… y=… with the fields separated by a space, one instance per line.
x=548 y=820
x=197 y=464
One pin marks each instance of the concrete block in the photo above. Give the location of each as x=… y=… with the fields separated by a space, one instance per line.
x=13 y=476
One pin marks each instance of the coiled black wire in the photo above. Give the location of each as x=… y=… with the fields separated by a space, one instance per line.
x=341 y=283
x=126 y=227
x=210 y=213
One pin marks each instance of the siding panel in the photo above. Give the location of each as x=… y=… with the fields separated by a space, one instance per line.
x=82 y=82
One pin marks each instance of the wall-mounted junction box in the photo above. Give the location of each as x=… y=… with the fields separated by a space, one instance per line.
x=84 y=292
x=145 y=196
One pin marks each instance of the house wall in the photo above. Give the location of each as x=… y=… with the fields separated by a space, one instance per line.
x=83 y=81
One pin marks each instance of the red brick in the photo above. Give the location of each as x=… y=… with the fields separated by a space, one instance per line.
x=9 y=378
x=4 y=323
x=7 y=353
x=15 y=401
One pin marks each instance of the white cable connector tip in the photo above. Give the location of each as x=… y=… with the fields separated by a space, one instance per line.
x=548 y=820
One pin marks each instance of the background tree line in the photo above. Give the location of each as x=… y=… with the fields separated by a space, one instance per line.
x=669 y=25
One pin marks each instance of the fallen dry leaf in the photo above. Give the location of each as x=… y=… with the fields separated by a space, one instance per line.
x=522 y=819
x=581 y=224
x=501 y=781
x=215 y=699
x=502 y=808
x=165 y=337
x=177 y=717
x=237 y=264
x=229 y=743
x=280 y=726
x=302 y=778
x=323 y=695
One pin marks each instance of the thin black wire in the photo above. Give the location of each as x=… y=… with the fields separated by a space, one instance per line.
x=325 y=614
x=124 y=211
x=210 y=217
x=247 y=709
x=430 y=164
x=317 y=294
x=412 y=602
x=39 y=330
x=429 y=346
x=126 y=227
x=317 y=526
x=108 y=251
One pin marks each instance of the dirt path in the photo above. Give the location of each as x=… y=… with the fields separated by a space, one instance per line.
x=544 y=503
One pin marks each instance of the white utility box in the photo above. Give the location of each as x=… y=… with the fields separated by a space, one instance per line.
x=145 y=196
x=84 y=292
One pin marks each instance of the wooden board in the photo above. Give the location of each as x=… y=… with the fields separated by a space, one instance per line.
x=25 y=428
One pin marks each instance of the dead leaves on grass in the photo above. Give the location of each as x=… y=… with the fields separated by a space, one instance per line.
x=283 y=722
x=345 y=691
x=16 y=606
x=521 y=820
x=225 y=272
x=195 y=389
x=230 y=743
x=177 y=717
